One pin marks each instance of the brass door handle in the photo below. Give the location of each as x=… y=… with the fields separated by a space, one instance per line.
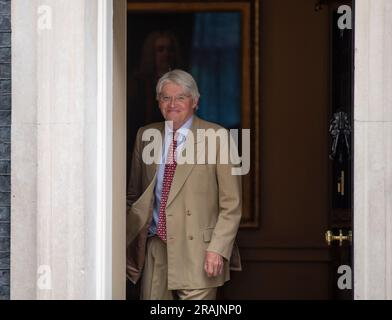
x=329 y=237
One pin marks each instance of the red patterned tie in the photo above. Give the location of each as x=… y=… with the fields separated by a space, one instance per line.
x=170 y=168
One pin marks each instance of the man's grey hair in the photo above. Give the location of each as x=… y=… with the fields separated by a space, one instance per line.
x=181 y=78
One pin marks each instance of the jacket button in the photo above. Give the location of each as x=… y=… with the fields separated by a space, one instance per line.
x=188 y=213
x=190 y=237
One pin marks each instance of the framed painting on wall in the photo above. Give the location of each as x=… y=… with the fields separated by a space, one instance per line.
x=218 y=43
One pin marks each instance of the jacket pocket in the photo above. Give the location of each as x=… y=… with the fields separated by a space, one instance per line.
x=207 y=234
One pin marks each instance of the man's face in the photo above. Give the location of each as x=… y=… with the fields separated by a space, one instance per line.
x=176 y=105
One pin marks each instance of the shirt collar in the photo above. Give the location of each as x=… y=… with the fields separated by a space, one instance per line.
x=182 y=131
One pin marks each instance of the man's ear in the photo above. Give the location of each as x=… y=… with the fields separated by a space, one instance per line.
x=195 y=102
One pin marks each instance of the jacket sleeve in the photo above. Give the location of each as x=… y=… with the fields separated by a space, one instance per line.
x=135 y=178
x=230 y=206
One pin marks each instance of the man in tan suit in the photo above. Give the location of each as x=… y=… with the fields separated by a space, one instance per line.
x=182 y=218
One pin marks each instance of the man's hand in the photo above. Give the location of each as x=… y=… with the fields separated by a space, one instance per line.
x=213 y=264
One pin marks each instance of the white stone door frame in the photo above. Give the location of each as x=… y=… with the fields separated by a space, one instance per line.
x=104 y=199
x=373 y=150
x=68 y=149
x=111 y=149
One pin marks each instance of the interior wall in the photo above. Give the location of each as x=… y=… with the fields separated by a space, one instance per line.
x=287 y=257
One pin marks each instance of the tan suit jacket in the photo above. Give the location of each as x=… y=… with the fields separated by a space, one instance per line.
x=203 y=213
